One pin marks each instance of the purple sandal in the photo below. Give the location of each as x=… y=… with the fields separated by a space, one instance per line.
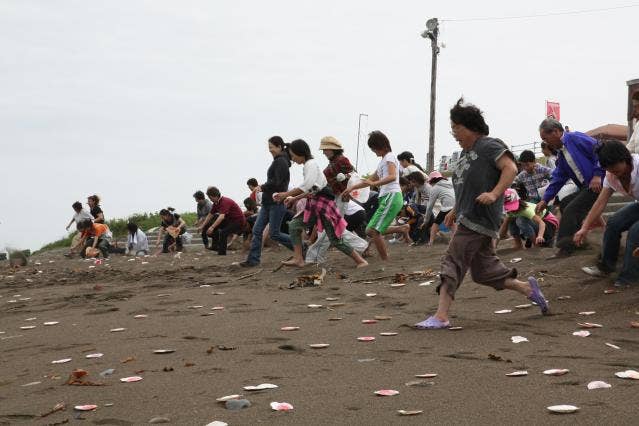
x=432 y=323
x=537 y=296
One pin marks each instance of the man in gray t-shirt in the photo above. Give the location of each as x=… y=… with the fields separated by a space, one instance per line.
x=477 y=172
x=482 y=174
x=203 y=209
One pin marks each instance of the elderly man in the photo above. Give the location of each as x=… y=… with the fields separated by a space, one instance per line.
x=576 y=160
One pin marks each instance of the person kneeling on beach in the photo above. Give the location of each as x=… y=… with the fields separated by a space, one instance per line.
x=229 y=220
x=483 y=172
x=524 y=224
x=174 y=226
x=320 y=207
x=137 y=244
x=95 y=236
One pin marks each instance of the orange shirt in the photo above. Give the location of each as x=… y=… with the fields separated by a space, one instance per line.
x=97 y=230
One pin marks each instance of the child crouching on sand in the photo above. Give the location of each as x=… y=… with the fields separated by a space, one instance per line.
x=94 y=236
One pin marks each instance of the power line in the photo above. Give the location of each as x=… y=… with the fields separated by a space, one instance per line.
x=540 y=15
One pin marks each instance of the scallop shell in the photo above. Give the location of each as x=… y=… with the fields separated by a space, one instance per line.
x=289 y=328
x=503 y=311
x=589 y=325
x=409 y=412
x=456 y=328
x=425 y=283
x=228 y=398
x=562 y=409
x=628 y=374
x=366 y=339
x=524 y=306
x=517 y=373
x=88 y=407
x=163 y=351
x=371 y=294
x=386 y=392
x=96 y=355
x=281 y=406
x=388 y=333
x=259 y=387
x=587 y=313
x=61 y=361
x=51 y=323
x=140 y=316
x=516 y=260
x=369 y=321
x=314 y=306
x=610 y=345
x=319 y=345
x=396 y=285
x=556 y=372
x=581 y=333
x=598 y=385
x=130 y=379
x=27 y=327
x=518 y=339
x=116 y=330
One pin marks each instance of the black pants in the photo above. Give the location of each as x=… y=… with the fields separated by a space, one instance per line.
x=207 y=225
x=574 y=210
x=169 y=241
x=357 y=223
x=103 y=245
x=221 y=234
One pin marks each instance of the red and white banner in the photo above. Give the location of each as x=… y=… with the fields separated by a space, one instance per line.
x=552 y=110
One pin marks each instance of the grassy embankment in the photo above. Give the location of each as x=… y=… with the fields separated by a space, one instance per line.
x=145 y=221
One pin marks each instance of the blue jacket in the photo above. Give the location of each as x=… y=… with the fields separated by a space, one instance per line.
x=581 y=148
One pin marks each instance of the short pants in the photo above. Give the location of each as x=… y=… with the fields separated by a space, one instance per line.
x=389 y=207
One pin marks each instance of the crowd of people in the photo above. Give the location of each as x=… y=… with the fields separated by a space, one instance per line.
x=491 y=196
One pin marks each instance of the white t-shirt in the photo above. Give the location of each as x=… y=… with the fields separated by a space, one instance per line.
x=352 y=207
x=410 y=169
x=313 y=176
x=611 y=181
x=83 y=214
x=382 y=172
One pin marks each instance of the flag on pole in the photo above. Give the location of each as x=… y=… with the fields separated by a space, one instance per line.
x=552 y=110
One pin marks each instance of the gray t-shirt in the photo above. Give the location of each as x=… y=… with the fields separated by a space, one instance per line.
x=476 y=172
x=204 y=208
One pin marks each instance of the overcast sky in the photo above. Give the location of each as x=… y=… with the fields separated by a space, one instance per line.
x=144 y=102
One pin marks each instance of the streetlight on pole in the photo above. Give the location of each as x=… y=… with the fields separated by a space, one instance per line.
x=359 y=127
x=431 y=32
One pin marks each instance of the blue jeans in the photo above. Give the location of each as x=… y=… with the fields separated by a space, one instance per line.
x=626 y=219
x=524 y=228
x=271 y=214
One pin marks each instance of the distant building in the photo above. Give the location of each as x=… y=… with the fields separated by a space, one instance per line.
x=448 y=162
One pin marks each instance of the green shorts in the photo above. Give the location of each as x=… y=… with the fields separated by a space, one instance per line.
x=389 y=206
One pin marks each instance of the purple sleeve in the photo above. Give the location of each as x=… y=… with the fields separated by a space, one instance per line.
x=558 y=179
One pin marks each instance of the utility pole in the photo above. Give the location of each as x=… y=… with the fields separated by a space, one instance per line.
x=431 y=32
x=359 y=128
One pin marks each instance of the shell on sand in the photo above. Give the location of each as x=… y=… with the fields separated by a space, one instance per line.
x=503 y=311
x=396 y=285
x=369 y=321
x=628 y=374
x=516 y=260
x=27 y=327
x=366 y=338
x=426 y=376
x=518 y=339
x=51 y=323
x=92 y=356
x=425 y=283
x=371 y=294
x=88 y=407
x=228 y=398
x=581 y=333
x=589 y=325
x=259 y=387
x=163 y=351
x=517 y=373
x=556 y=372
x=383 y=317
x=335 y=319
x=130 y=379
x=289 y=328
x=116 y=330
x=281 y=406
x=562 y=409
x=140 y=316
x=61 y=361
x=598 y=385
x=319 y=345
x=610 y=345
x=456 y=328
x=409 y=412
x=386 y=392
x=587 y=313
x=314 y=306
x=388 y=333
x=331 y=299
x=524 y=306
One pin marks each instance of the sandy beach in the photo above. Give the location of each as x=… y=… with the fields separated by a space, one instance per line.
x=224 y=327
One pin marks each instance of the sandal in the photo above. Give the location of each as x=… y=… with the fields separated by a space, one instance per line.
x=537 y=296
x=432 y=323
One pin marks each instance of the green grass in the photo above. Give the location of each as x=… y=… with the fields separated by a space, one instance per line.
x=145 y=221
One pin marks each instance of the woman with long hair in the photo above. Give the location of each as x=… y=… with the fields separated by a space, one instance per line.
x=272 y=211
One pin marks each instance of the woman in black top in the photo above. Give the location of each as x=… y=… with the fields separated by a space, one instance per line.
x=96 y=211
x=271 y=212
x=174 y=226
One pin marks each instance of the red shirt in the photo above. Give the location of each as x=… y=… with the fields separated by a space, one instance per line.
x=229 y=209
x=336 y=166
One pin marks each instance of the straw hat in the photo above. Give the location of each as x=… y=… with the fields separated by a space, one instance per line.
x=329 y=142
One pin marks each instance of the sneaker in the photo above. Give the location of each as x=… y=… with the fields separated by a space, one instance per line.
x=393 y=241
x=594 y=271
x=247 y=264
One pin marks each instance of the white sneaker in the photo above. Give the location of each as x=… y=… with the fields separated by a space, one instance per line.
x=594 y=271
x=393 y=241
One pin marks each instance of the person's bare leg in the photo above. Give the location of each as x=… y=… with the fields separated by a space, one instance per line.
x=358 y=259
x=445 y=300
x=297 y=259
x=517 y=243
x=433 y=233
x=401 y=229
x=378 y=240
x=518 y=286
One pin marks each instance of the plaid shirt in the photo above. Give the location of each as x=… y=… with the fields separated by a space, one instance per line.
x=540 y=177
x=338 y=165
x=323 y=207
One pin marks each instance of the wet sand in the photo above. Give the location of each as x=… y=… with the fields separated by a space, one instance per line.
x=242 y=344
